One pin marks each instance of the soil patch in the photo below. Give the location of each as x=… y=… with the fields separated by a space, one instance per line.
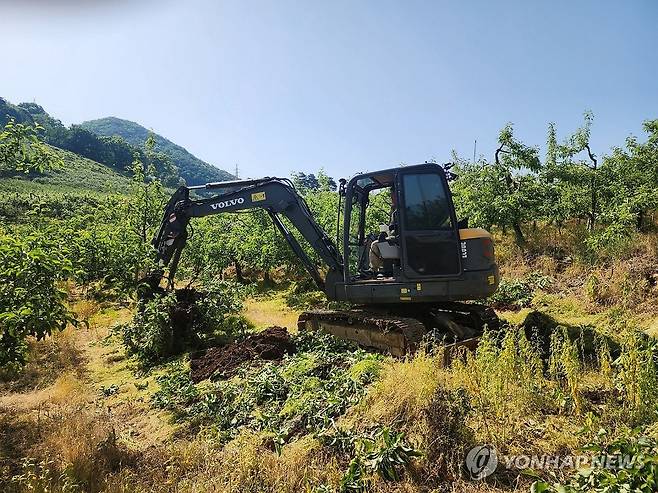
x=223 y=362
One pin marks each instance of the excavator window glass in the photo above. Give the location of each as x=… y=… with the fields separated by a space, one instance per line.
x=431 y=241
x=426 y=203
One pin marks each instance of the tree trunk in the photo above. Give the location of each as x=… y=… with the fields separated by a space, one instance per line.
x=593 y=191
x=639 y=222
x=238 y=271
x=591 y=223
x=267 y=280
x=518 y=234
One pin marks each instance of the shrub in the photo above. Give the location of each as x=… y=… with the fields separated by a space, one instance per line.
x=518 y=293
x=166 y=325
x=150 y=334
x=31 y=304
x=638 y=450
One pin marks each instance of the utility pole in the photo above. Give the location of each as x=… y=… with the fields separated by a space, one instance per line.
x=475 y=146
x=236 y=171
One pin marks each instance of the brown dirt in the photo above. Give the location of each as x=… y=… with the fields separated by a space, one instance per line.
x=270 y=344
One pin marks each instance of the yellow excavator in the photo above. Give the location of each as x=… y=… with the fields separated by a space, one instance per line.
x=413 y=280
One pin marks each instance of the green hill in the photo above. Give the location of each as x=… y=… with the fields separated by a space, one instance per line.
x=78 y=174
x=114 y=143
x=191 y=168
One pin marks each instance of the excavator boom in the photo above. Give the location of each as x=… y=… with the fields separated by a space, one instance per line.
x=275 y=195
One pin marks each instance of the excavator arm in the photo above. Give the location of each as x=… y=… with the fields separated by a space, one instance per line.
x=277 y=196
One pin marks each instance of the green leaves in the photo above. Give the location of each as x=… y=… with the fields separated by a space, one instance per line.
x=303 y=394
x=30 y=302
x=635 y=456
x=381 y=451
x=22 y=150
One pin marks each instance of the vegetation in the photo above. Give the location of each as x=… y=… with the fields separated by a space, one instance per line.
x=192 y=169
x=31 y=304
x=21 y=150
x=111 y=405
x=519 y=189
x=115 y=149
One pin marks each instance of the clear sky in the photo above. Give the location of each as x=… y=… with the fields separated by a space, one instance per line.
x=349 y=85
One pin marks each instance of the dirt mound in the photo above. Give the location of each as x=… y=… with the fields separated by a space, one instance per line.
x=270 y=344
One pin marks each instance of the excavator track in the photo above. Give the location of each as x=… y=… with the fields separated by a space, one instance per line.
x=401 y=330
x=388 y=333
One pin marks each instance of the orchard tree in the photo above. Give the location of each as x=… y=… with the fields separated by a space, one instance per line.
x=563 y=182
x=22 y=150
x=577 y=171
x=629 y=177
x=326 y=183
x=519 y=193
x=30 y=302
x=145 y=206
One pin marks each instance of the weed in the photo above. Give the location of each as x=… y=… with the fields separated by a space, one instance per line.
x=565 y=367
x=304 y=394
x=635 y=454
x=41 y=477
x=503 y=380
x=637 y=376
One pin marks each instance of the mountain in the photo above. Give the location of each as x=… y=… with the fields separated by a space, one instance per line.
x=103 y=141
x=191 y=168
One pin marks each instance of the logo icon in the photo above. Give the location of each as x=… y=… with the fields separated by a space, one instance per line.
x=481 y=461
x=227 y=203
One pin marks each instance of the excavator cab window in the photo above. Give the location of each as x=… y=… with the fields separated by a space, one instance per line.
x=430 y=235
x=370 y=213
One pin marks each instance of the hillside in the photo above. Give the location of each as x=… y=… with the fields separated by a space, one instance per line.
x=192 y=169
x=114 y=146
x=78 y=174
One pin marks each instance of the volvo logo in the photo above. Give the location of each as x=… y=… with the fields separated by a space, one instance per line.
x=227 y=203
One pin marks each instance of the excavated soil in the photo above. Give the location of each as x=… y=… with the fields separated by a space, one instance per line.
x=223 y=362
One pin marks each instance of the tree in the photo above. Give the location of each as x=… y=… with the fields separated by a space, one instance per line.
x=30 y=302
x=572 y=146
x=514 y=163
x=629 y=177
x=22 y=150
x=305 y=183
x=326 y=183
x=563 y=183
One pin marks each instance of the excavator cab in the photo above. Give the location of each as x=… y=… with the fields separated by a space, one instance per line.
x=402 y=242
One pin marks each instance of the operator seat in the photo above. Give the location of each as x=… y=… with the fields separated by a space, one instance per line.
x=387 y=249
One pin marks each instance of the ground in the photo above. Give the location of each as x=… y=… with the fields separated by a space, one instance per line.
x=82 y=378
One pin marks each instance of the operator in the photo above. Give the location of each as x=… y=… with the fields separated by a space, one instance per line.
x=375 y=257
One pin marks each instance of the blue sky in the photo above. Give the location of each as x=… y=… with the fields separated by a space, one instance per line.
x=277 y=86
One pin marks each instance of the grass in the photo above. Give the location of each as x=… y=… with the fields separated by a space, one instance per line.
x=505 y=394
x=78 y=175
x=266 y=311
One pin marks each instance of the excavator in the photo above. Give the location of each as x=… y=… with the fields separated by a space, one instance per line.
x=414 y=280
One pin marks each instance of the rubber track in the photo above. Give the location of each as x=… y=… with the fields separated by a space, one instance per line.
x=412 y=329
